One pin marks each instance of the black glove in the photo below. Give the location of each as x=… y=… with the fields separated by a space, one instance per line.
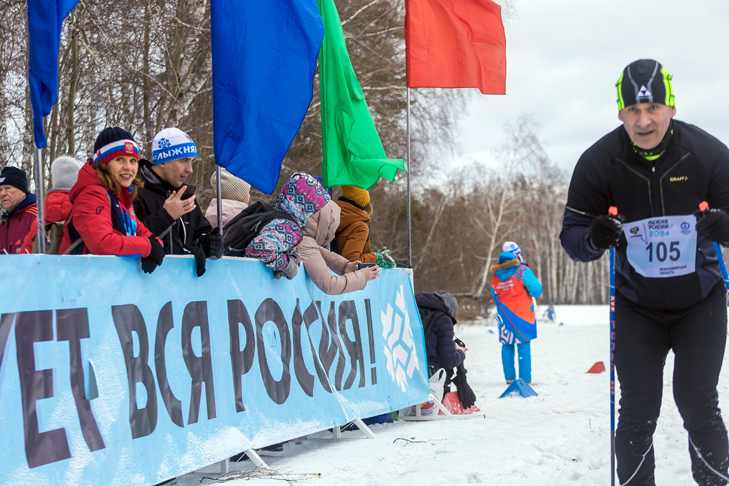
x=156 y=255
x=605 y=231
x=459 y=342
x=214 y=245
x=714 y=225
x=199 y=254
x=465 y=393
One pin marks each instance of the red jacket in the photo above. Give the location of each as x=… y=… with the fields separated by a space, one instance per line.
x=18 y=230
x=91 y=217
x=57 y=206
x=513 y=294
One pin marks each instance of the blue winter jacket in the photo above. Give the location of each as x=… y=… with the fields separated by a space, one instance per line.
x=532 y=284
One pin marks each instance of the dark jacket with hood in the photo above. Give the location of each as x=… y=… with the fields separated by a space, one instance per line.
x=438 y=322
x=189 y=231
x=693 y=168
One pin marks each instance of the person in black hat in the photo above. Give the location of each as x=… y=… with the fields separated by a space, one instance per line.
x=19 y=223
x=656 y=170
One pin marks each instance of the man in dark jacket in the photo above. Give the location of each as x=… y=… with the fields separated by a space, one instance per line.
x=165 y=204
x=19 y=221
x=669 y=293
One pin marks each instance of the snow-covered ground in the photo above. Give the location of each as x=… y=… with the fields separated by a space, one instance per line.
x=560 y=437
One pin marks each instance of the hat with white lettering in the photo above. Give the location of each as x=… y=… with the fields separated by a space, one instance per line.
x=172 y=144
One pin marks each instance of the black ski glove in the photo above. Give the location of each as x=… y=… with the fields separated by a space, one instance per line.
x=714 y=225
x=156 y=255
x=605 y=231
x=199 y=254
x=465 y=393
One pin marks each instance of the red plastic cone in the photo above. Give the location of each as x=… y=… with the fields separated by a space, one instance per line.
x=597 y=368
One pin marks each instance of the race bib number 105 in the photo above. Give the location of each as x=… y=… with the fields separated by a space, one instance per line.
x=662 y=247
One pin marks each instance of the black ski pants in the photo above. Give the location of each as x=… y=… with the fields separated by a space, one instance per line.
x=643 y=338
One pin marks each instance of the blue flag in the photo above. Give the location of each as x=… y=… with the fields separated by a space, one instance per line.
x=264 y=61
x=45 y=21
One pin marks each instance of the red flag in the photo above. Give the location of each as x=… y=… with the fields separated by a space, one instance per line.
x=456 y=44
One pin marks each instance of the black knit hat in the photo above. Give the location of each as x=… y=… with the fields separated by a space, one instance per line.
x=645 y=81
x=12 y=176
x=111 y=134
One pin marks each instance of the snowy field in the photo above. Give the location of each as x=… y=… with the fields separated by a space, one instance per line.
x=560 y=437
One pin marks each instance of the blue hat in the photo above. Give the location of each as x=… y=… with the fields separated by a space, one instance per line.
x=505 y=256
x=172 y=144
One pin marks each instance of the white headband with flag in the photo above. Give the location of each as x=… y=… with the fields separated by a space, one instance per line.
x=115 y=149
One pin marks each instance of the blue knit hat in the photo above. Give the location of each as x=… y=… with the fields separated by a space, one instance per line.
x=172 y=144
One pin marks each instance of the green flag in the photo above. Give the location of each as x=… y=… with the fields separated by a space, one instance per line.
x=352 y=150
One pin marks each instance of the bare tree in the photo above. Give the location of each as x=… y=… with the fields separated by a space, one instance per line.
x=145 y=65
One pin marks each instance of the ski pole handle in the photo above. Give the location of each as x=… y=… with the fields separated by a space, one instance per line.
x=614 y=215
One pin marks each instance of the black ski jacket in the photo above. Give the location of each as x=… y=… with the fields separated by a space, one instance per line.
x=438 y=328
x=188 y=232
x=694 y=168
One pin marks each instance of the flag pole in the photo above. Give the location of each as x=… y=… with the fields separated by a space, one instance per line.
x=219 y=207
x=40 y=199
x=409 y=210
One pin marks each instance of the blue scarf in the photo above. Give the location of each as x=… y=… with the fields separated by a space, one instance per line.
x=121 y=220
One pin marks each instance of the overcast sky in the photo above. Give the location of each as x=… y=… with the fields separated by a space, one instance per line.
x=564 y=57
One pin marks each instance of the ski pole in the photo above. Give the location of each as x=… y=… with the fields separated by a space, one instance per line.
x=703 y=207
x=613 y=212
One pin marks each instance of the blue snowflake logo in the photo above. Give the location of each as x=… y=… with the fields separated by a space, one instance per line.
x=164 y=143
x=400 y=351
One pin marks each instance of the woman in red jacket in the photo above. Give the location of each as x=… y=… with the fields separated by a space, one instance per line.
x=102 y=219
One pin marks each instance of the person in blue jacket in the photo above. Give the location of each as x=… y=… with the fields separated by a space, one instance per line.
x=513 y=287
